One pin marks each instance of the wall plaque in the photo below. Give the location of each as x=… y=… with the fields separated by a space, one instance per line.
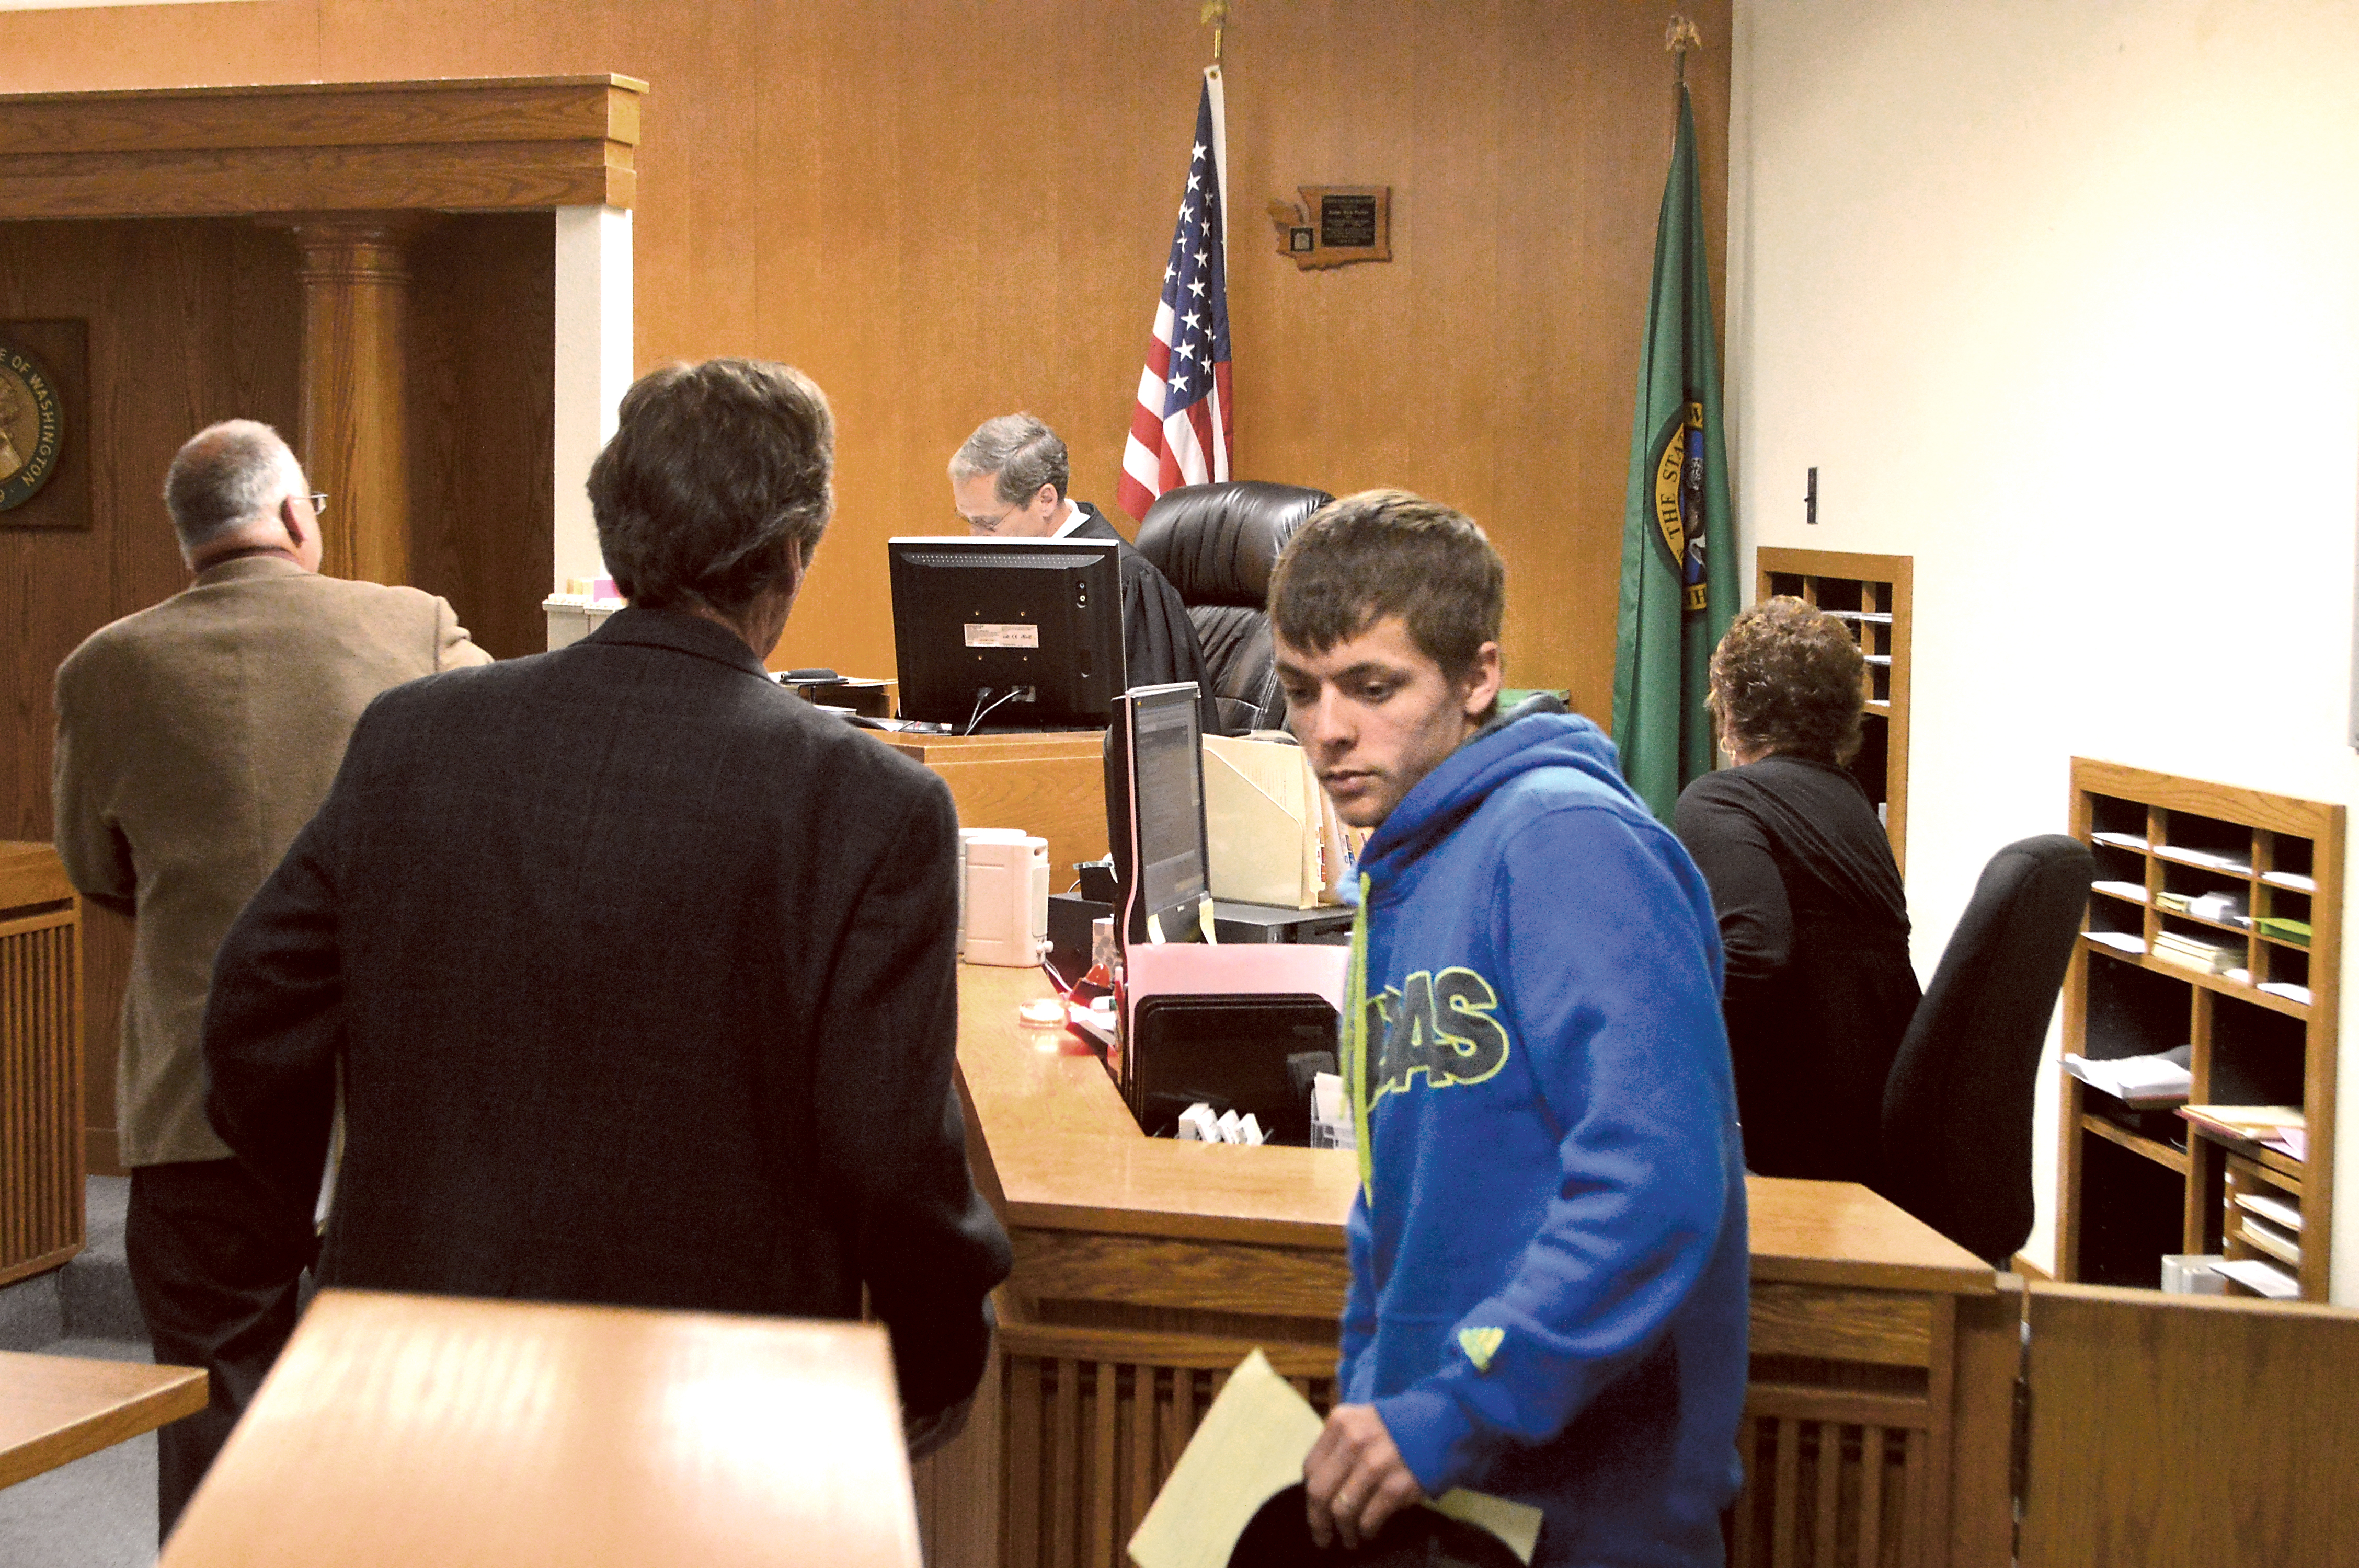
x=44 y=406
x=1335 y=225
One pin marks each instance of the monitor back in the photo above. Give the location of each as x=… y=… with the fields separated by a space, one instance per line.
x=976 y=620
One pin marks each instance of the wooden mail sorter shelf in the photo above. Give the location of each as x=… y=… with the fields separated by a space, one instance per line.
x=2184 y=865
x=1871 y=594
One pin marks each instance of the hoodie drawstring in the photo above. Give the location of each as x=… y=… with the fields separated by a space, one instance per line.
x=1355 y=1046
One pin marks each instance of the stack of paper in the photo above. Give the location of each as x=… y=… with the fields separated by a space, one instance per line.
x=2161 y=1079
x=2210 y=860
x=2279 y=1127
x=2266 y=1279
x=2192 y=953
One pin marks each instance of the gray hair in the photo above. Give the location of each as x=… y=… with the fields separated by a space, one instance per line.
x=1025 y=454
x=227 y=475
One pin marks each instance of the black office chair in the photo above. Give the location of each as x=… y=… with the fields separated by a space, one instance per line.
x=1217 y=544
x=1957 y=1104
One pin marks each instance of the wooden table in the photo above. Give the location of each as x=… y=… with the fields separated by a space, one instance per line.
x=1883 y=1354
x=409 y=1430
x=56 y=1409
x=1052 y=783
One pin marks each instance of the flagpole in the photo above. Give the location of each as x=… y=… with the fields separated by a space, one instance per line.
x=1215 y=15
x=1678 y=39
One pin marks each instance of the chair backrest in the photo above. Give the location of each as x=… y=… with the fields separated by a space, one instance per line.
x=1957 y=1106
x=1217 y=544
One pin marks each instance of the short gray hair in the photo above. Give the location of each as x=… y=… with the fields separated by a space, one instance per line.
x=1025 y=454
x=227 y=475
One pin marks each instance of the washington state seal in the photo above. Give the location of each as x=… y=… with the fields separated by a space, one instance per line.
x=32 y=426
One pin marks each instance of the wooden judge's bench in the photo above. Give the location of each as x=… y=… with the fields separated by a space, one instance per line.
x=1883 y=1356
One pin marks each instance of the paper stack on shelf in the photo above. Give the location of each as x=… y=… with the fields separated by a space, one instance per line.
x=2276 y=1210
x=2121 y=840
x=2210 y=860
x=2119 y=941
x=2161 y=1079
x=2192 y=953
x=2286 y=990
x=2293 y=881
x=2266 y=1279
x=2279 y=1127
x=2133 y=891
x=2283 y=1246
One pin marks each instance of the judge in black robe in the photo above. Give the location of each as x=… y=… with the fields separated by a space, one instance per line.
x=1159 y=641
x=1813 y=919
x=1009 y=482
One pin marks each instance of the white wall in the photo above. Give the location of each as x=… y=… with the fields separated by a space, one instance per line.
x=2063 y=301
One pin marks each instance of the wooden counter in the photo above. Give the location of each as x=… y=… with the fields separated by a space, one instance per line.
x=1883 y=1355
x=42 y=1220
x=415 y=1430
x=56 y=1409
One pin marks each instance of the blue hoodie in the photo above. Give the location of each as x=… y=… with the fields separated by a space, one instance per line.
x=1549 y=1253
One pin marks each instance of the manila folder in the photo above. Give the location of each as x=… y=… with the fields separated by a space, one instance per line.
x=1250 y=1447
x=1262 y=822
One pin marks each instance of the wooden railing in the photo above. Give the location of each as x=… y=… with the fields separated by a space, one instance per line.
x=40 y=1062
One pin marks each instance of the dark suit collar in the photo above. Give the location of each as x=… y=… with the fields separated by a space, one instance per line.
x=681 y=634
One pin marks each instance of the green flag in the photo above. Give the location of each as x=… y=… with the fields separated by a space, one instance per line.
x=1679 y=548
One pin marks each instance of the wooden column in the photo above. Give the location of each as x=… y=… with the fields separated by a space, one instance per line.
x=353 y=439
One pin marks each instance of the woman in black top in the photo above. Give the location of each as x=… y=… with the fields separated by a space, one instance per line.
x=1812 y=916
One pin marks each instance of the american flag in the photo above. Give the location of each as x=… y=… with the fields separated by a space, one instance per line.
x=1180 y=433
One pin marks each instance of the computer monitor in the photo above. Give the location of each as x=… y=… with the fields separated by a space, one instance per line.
x=1018 y=634
x=1155 y=813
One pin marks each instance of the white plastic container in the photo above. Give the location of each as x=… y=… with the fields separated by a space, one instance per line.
x=1004 y=913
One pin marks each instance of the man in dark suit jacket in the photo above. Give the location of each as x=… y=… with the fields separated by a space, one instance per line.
x=1009 y=482
x=638 y=968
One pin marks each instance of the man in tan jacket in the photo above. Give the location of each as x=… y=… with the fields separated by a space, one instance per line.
x=194 y=740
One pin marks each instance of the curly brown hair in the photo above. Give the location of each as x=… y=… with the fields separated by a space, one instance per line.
x=1788 y=679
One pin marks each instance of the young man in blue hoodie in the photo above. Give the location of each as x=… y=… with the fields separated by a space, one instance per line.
x=1549 y=1253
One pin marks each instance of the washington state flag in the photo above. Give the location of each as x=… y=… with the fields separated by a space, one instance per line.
x=1678 y=547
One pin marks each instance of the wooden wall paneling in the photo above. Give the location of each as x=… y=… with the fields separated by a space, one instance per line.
x=944 y=212
x=482 y=315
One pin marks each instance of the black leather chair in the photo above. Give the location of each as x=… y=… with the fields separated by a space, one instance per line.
x=1215 y=544
x=1957 y=1104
